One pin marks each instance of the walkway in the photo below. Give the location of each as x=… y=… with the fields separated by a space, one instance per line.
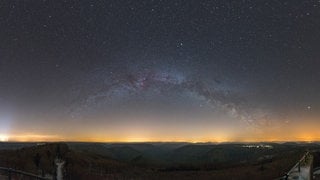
x=301 y=171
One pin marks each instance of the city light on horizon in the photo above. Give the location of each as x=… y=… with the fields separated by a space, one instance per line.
x=298 y=133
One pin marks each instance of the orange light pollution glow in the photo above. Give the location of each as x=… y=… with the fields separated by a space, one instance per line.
x=153 y=131
x=149 y=71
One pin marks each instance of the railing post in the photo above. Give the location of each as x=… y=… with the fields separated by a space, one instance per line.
x=9 y=171
x=311 y=166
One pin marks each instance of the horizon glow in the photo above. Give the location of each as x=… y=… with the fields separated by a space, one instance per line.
x=111 y=71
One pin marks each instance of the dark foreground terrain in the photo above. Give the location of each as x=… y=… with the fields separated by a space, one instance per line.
x=154 y=160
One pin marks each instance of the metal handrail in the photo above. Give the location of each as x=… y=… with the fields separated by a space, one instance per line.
x=10 y=171
x=297 y=165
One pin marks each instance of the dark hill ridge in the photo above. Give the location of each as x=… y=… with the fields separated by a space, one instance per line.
x=142 y=147
x=33 y=157
x=124 y=153
x=162 y=154
x=78 y=165
x=214 y=154
x=119 y=152
x=15 y=145
x=157 y=160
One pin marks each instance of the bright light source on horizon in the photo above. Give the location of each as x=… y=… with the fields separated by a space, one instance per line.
x=3 y=138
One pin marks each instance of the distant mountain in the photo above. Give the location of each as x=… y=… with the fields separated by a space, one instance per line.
x=118 y=152
x=124 y=153
x=15 y=145
x=156 y=160
x=142 y=147
x=171 y=154
x=40 y=160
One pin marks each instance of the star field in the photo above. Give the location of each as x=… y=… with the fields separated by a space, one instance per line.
x=246 y=68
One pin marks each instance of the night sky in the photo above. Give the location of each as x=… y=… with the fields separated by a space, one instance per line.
x=159 y=70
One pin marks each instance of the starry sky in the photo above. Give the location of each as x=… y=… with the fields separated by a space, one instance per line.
x=159 y=70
